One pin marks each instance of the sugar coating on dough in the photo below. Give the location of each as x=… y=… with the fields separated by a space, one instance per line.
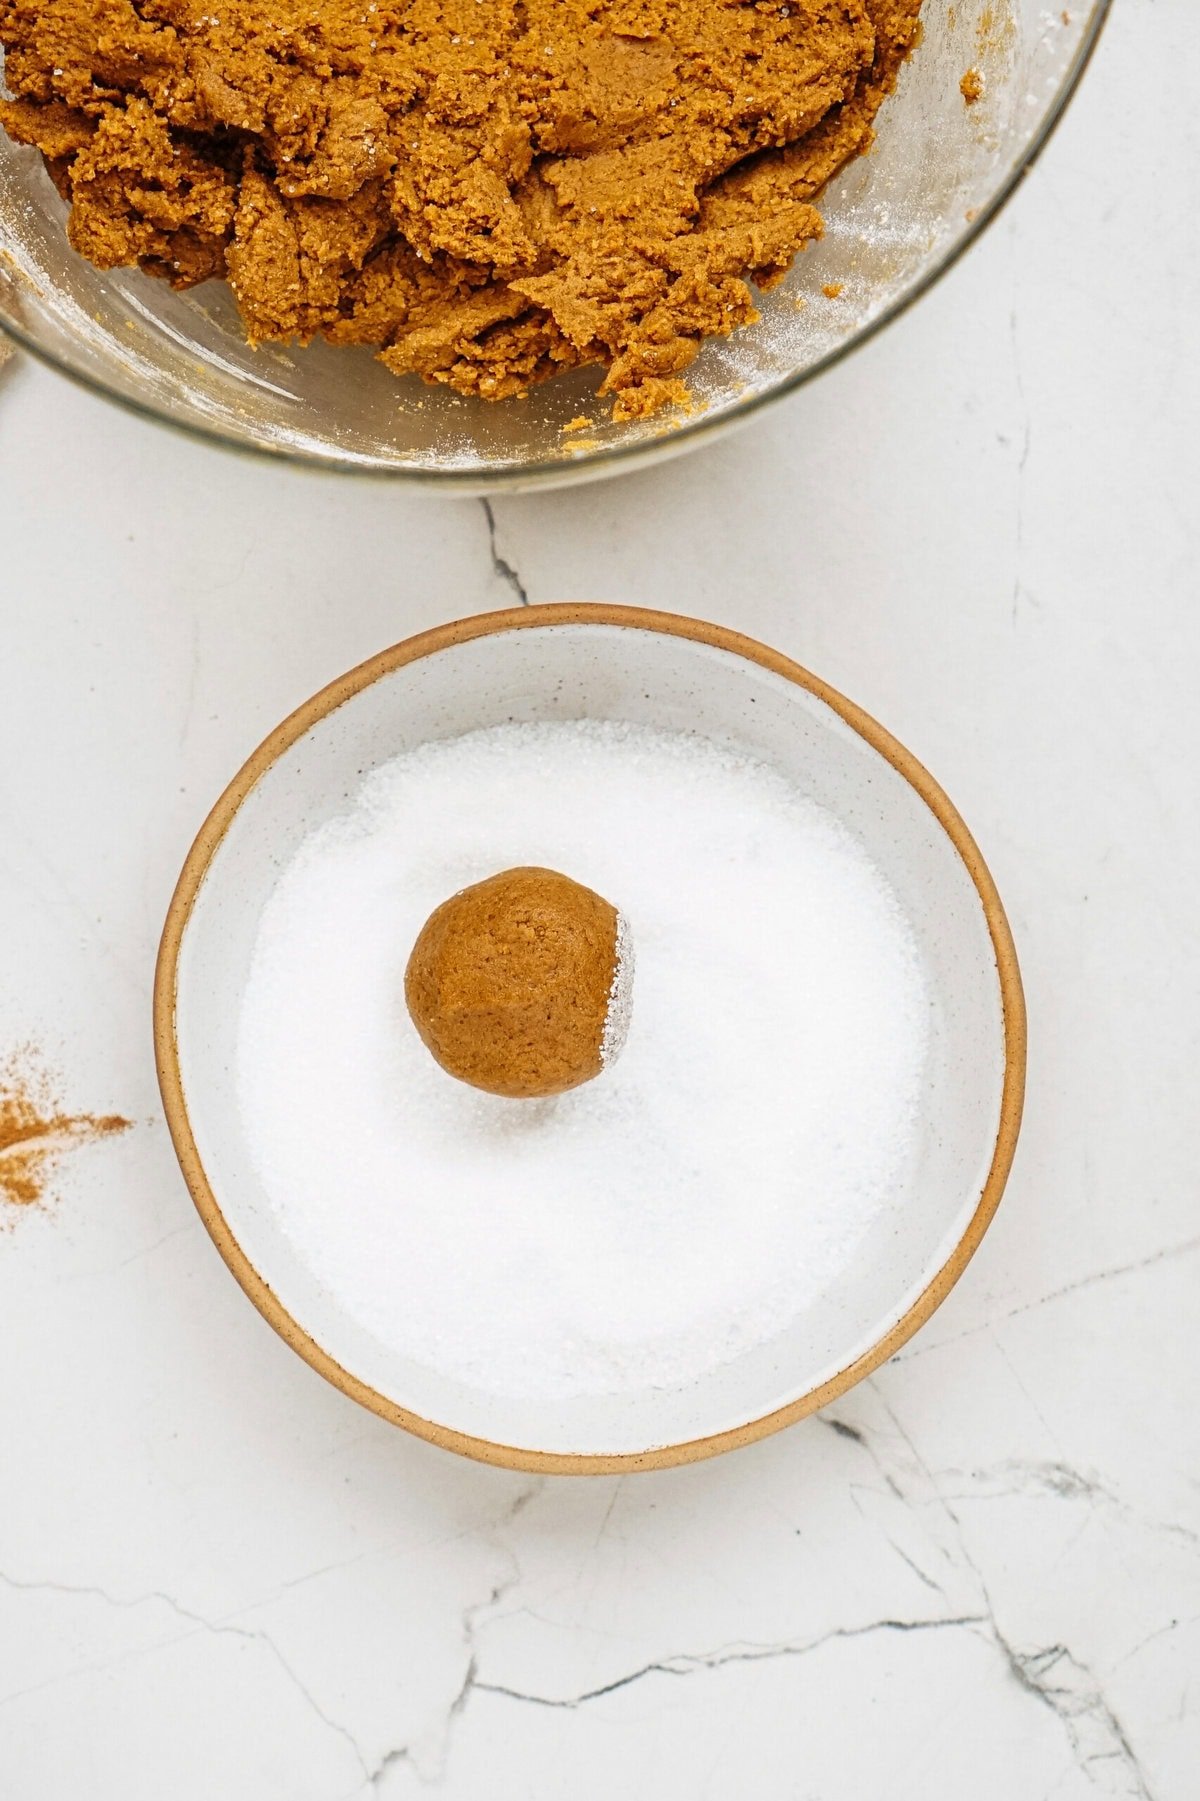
x=485 y=191
x=620 y=996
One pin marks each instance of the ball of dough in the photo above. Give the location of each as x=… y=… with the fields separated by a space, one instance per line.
x=520 y=985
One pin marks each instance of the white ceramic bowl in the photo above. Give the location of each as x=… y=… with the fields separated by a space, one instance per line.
x=652 y=668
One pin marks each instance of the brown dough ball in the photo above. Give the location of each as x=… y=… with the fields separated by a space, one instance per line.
x=519 y=985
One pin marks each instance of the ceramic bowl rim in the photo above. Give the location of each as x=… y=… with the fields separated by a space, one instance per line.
x=255 y=1286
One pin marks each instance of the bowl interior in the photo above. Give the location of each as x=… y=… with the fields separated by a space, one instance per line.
x=605 y=671
x=894 y=218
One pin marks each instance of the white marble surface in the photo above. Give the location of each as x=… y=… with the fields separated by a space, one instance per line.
x=982 y=1576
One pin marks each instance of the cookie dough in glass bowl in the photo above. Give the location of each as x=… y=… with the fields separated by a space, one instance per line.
x=971 y=109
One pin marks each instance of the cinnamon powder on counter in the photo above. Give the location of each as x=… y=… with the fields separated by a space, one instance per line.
x=35 y=1130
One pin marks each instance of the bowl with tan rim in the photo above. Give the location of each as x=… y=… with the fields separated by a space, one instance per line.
x=657 y=669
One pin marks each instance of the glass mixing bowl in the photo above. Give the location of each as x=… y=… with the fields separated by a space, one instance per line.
x=895 y=220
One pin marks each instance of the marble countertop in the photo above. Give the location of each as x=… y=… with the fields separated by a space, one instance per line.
x=980 y=1574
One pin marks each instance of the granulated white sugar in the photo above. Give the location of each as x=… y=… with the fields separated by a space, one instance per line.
x=620 y=996
x=706 y=1187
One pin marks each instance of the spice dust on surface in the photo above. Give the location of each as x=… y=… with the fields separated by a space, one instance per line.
x=484 y=191
x=36 y=1130
x=701 y=1193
